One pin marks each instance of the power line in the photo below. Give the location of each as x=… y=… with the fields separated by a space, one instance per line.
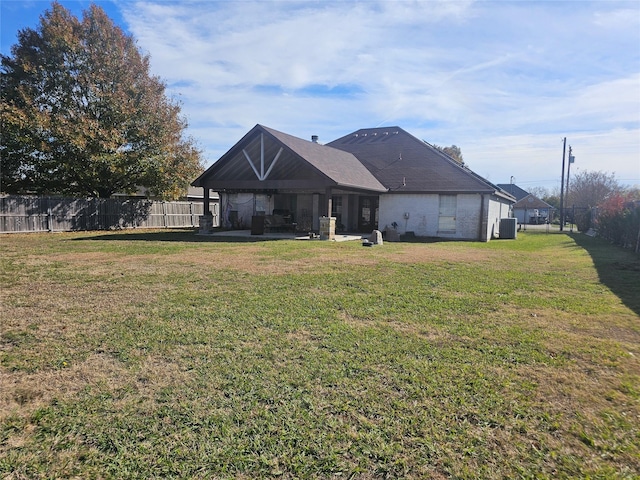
x=538 y=181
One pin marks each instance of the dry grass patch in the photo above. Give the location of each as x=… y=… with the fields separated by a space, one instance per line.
x=125 y=357
x=256 y=259
x=445 y=252
x=26 y=392
x=416 y=330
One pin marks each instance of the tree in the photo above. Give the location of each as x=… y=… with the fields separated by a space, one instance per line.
x=453 y=151
x=554 y=213
x=588 y=189
x=81 y=114
x=539 y=192
x=548 y=195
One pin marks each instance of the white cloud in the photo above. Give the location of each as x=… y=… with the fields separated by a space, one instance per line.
x=536 y=160
x=492 y=77
x=617 y=18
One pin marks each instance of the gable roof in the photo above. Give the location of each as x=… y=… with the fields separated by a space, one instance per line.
x=514 y=190
x=342 y=167
x=379 y=160
x=268 y=159
x=402 y=162
x=531 y=202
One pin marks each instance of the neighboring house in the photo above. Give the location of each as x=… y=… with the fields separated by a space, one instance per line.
x=195 y=194
x=531 y=210
x=528 y=208
x=513 y=190
x=377 y=178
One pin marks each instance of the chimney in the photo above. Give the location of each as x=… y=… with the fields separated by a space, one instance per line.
x=314 y=138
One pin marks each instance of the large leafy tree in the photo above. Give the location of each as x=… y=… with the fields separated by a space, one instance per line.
x=453 y=151
x=591 y=188
x=82 y=115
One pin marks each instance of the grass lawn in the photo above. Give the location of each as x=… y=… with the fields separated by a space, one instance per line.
x=161 y=354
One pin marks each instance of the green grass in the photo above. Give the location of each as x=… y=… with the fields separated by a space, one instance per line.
x=166 y=355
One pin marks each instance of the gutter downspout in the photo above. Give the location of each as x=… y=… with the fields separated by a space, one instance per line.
x=481 y=222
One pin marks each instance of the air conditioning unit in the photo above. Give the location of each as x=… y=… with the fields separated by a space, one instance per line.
x=508 y=228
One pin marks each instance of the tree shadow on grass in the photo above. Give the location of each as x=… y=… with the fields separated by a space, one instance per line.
x=617 y=268
x=174 y=235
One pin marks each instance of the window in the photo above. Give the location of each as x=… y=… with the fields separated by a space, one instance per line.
x=336 y=211
x=336 y=205
x=447 y=214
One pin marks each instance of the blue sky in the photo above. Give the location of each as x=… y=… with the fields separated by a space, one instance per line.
x=505 y=81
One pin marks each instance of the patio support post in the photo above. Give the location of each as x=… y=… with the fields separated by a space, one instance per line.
x=206 y=219
x=207 y=201
x=328 y=223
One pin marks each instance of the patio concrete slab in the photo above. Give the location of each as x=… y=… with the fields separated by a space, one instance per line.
x=340 y=237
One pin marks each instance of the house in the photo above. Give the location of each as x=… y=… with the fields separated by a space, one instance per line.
x=376 y=178
x=531 y=210
x=528 y=208
x=513 y=190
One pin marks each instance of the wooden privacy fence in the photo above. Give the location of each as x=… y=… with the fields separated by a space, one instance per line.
x=58 y=214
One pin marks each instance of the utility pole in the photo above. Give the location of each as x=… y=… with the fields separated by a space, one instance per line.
x=571 y=160
x=564 y=150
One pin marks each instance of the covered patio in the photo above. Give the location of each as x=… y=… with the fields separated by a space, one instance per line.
x=293 y=184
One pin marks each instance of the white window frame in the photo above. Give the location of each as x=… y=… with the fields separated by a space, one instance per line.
x=447 y=211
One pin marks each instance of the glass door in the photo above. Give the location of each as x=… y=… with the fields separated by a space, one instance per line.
x=367 y=214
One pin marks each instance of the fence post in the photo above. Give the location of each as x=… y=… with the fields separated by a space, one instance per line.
x=164 y=214
x=49 y=216
x=98 y=221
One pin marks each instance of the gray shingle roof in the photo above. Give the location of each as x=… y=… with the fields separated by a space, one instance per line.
x=300 y=164
x=340 y=166
x=531 y=201
x=373 y=159
x=514 y=190
x=405 y=163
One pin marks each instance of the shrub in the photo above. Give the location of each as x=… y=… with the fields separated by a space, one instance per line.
x=618 y=220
